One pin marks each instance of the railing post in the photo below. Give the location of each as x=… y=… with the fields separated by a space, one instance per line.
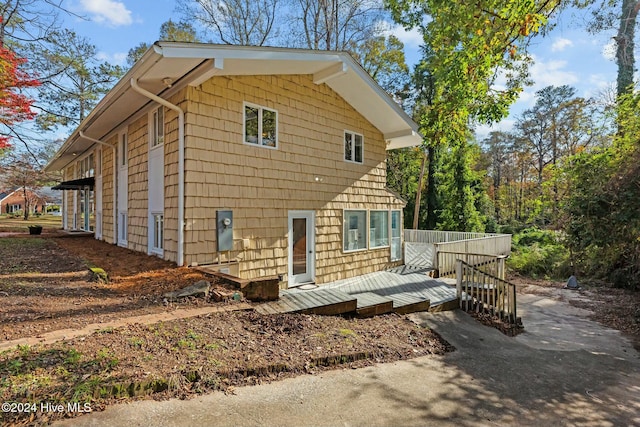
x=459 y=280
x=501 y=267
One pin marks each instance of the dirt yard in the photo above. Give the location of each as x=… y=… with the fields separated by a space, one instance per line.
x=45 y=285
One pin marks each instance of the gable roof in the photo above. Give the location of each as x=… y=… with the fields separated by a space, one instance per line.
x=168 y=66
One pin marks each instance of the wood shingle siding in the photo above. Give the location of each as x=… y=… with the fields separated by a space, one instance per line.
x=306 y=172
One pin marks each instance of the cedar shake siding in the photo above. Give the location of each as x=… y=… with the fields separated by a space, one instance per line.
x=322 y=100
x=307 y=171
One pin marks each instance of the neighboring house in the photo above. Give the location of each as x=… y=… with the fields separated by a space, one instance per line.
x=263 y=161
x=13 y=201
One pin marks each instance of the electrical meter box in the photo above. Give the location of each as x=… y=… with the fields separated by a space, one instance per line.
x=224 y=221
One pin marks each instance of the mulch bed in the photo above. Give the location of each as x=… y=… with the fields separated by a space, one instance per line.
x=45 y=285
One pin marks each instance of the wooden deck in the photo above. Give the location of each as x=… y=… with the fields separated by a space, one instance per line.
x=403 y=290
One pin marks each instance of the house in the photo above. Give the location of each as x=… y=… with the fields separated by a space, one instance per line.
x=13 y=201
x=260 y=161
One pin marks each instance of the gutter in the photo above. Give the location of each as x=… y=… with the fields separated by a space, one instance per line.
x=115 y=165
x=164 y=102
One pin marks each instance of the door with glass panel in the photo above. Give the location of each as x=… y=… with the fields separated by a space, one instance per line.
x=301 y=247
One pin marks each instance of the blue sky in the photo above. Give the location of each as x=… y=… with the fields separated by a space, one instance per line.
x=568 y=55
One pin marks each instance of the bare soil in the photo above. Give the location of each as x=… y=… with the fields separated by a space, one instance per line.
x=45 y=285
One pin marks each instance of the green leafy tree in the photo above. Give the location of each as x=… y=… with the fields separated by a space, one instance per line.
x=470 y=44
x=603 y=225
x=383 y=58
x=464 y=190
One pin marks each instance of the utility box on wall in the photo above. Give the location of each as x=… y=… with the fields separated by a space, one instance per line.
x=224 y=222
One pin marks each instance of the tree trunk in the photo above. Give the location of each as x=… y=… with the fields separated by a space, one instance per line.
x=432 y=195
x=624 y=42
x=416 y=209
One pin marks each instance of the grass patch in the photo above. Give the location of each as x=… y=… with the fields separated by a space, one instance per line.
x=9 y=224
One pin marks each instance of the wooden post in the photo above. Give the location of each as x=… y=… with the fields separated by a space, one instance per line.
x=501 y=267
x=459 y=281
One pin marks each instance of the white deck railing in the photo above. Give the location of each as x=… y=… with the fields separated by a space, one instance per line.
x=483 y=292
x=435 y=249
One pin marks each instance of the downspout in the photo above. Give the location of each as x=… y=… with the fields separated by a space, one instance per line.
x=115 y=167
x=164 y=102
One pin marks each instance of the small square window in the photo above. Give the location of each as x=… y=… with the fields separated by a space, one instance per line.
x=353 y=147
x=260 y=126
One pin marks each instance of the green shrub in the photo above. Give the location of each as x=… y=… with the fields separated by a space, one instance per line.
x=539 y=253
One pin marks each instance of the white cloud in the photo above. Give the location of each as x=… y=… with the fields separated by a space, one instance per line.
x=411 y=38
x=483 y=131
x=560 y=44
x=609 y=50
x=111 y=12
x=118 y=58
x=551 y=73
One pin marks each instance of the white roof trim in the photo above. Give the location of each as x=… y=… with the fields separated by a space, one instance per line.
x=194 y=63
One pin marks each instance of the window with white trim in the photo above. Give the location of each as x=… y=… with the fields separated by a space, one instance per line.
x=260 y=126
x=354 y=230
x=378 y=229
x=353 y=147
x=158 y=232
x=157 y=127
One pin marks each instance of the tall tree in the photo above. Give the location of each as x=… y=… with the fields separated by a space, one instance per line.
x=470 y=45
x=383 y=58
x=335 y=24
x=20 y=169
x=15 y=106
x=76 y=80
x=237 y=22
x=602 y=206
x=559 y=125
x=621 y=16
x=181 y=31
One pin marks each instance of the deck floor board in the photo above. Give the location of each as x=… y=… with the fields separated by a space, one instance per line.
x=409 y=287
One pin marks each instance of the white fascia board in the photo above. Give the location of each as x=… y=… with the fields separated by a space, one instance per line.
x=208 y=51
x=382 y=94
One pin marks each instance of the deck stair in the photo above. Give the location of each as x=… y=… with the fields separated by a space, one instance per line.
x=401 y=290
x=316 y=301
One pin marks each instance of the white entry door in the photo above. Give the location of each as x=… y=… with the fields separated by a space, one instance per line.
x=301 y=247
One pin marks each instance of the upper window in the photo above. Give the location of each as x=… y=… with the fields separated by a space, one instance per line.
x=157 y=127
x=379 y=229
x=355 y=230
x=86 y=167
x=353 y=146
x=260 y=126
